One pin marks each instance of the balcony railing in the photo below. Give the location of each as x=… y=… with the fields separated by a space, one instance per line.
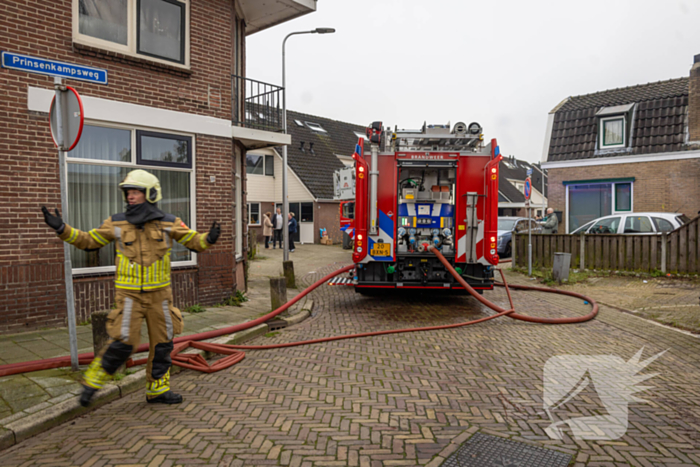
x=256 y=104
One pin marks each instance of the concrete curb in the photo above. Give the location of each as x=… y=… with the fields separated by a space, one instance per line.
x=24 y=428
x=302 y=315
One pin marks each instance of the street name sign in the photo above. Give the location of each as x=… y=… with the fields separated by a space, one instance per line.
x=43 y=66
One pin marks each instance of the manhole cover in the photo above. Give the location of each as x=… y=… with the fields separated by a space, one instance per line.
x=484 y=451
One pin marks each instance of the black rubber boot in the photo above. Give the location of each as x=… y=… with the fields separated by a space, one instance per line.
x=166 y=398
x=87 y=394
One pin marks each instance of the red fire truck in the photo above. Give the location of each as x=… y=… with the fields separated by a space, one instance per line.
x=434 y=187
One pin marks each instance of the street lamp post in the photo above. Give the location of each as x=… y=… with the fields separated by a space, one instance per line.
x=285 y=201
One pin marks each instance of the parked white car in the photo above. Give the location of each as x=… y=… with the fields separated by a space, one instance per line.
x=634 y=223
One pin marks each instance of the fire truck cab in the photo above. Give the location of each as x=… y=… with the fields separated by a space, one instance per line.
x=420 y=189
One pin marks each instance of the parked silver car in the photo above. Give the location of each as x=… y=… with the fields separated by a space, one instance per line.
x=506 y=227
x=634 y=223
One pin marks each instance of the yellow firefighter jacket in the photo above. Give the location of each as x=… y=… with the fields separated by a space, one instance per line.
x=143 y=254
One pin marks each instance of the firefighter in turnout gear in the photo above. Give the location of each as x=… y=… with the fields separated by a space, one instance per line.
x=144 y=237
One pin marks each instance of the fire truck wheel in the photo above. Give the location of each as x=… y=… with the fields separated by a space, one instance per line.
x=367 y=292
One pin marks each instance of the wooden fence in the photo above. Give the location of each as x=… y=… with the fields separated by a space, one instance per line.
x=676 y=252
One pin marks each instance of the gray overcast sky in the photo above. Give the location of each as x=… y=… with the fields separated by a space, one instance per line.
x=504 y=64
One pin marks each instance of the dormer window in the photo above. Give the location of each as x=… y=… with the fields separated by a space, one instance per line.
x=612 y=132
x=614 y=126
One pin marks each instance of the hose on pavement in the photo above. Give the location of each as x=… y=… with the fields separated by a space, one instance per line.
x=25 y=367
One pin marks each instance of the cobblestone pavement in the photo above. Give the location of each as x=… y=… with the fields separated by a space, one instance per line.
x=23 y=395
x=402 y=399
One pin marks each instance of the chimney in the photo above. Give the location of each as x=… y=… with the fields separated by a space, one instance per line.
x=694 y=101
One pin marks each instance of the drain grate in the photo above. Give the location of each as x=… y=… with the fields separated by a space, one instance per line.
x=276 y=325
x=483 y=451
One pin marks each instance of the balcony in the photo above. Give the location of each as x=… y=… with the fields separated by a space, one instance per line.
x=257 y=113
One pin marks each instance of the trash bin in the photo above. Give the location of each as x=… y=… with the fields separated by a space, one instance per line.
x=560 y=269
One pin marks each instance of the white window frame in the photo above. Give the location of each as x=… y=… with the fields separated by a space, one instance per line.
x=613 y=212
x=601 y=135
x=250 y=223
x=130 y=48
x=134 y=165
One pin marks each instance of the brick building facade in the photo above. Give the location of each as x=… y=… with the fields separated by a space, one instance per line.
x=634 y=149
x=167 y=108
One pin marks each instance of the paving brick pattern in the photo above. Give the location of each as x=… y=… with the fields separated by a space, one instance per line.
x=405 y=399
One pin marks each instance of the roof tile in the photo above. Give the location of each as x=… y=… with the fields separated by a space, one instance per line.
x=658 y=126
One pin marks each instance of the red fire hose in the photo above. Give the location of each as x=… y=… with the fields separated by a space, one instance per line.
x=188 y=361
x=85 y=358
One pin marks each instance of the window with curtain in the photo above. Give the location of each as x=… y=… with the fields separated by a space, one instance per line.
x=104 y=19
x=161 y=29
x=612 y=132
x=95 y=168
x=148 y=29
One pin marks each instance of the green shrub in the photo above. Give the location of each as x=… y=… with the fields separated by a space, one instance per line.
x=235 y=300
x=196 y=308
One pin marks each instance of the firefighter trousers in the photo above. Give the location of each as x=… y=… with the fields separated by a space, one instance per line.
x=163 y=320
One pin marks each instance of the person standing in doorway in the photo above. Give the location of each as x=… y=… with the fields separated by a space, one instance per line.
x=278 y=225
x=144 y=237
x=550 y=222
x=292 y=225
x=267 y=228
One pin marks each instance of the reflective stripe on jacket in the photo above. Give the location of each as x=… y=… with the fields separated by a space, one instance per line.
x=143 y=254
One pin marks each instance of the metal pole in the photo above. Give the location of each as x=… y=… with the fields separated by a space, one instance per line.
x=285 y=201
x=529 y=240
x=67 y=268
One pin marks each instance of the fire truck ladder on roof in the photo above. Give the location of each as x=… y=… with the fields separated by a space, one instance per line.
x=413 y=140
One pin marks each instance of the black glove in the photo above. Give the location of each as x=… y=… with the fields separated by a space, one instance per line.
x=55 y=222
x=214 y=233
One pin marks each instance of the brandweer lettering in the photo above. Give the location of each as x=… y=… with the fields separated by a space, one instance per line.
x=426 y=156
x=55 y=68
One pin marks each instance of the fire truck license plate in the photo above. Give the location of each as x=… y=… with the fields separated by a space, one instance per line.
x=381 y=249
